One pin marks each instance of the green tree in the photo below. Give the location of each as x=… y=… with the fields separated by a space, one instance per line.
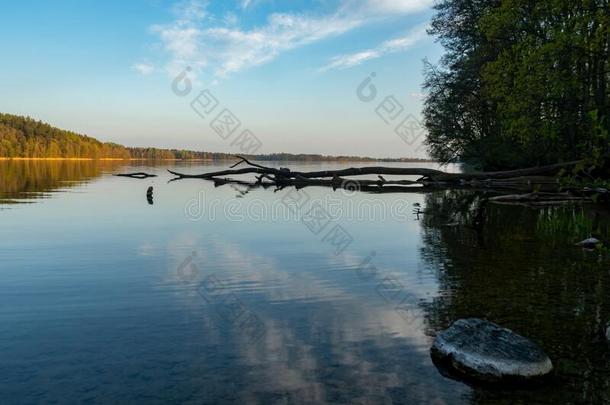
x=522 y=83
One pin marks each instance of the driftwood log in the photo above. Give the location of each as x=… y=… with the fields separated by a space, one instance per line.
x=537 y=179
x=432 y=175
x=540 y=198
x=531 y=186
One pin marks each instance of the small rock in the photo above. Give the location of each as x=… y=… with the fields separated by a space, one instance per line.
x=589 y=243
x=485 y=352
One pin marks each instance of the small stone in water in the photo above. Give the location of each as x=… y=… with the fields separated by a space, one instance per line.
x=589 y=243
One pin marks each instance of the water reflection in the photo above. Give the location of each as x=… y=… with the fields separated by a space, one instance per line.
x=92 y=306
x=99 y=302
x=328 y=337
x=518 y=266
x=27 y=180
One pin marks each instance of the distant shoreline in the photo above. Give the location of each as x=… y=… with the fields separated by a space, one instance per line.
x=219 y=160
x=78 y=159
x=24 y=138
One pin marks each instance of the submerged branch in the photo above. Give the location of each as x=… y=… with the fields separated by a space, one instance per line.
x=538 y=198
x=138 y=175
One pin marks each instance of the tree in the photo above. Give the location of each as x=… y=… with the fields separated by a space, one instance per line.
x=522 y=83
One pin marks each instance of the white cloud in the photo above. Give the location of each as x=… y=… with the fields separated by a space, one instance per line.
x=399 y=6
x=198 y=40
x=190 y=11
x=230 y=19
x=387 y=47
x=143 y=68
x=236 y=49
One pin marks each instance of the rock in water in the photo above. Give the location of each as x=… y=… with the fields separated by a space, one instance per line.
x=149 y=195
x=589 y=243
x=483 y=351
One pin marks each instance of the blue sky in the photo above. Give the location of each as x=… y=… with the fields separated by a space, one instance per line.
x=288 y=70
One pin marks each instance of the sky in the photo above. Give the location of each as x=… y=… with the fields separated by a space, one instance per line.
x=336 y=77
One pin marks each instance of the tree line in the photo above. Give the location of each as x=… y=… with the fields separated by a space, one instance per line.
x=24 y=137
x=521 y=83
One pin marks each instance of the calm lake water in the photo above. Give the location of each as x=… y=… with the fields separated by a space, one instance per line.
x=229 y=295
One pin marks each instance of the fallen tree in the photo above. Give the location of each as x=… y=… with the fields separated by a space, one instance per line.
x=427 y=174
x=533 y=180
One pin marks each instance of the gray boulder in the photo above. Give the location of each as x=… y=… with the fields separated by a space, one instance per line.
x=479 y=350
x=589 y=243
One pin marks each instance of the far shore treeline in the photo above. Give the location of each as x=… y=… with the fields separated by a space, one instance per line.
x=24 y=137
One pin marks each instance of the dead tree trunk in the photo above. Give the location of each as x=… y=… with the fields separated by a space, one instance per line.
x=427 y=174
x=536 y=179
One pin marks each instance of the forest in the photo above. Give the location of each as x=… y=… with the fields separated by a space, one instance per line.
x=28 y=138
x=522 y=83
x=24 y=137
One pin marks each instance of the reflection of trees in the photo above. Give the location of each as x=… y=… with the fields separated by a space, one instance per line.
x=516 y=266
x=26 y=179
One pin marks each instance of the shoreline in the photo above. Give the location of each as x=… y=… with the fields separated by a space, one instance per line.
x=211 y=160
x=91 y=159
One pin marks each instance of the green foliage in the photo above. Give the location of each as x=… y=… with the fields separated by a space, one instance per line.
x=566 y=225
x=25 y=137
x=571 y=223
x=522 y=83
x=593 y=172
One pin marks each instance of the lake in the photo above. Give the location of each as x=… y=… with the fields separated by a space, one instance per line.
x=234 y=295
